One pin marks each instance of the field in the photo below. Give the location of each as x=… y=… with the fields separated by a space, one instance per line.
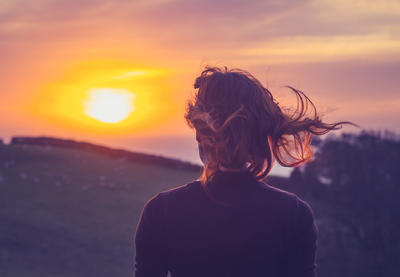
x=68 y=212
x=71 y=209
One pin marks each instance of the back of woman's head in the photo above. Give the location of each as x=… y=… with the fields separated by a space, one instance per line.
x=240 y=126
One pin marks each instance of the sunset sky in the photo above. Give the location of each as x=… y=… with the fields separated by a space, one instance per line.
x=62 y=61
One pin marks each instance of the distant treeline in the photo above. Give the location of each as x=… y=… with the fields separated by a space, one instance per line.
x=118 y=153
x=353 y=184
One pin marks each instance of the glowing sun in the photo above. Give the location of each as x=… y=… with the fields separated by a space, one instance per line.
x=109 y=105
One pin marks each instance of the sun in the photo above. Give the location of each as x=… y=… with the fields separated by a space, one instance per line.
x=109 y=105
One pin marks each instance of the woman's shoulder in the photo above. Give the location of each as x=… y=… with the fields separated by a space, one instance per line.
x=300 y=209
x=173 y=194
x=181 y=190
x=279 y=195
x=277 y=192
x=296 y=204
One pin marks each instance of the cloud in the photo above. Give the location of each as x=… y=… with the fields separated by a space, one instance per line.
x=217 y=28
x=300 y=49
x=337 y=81
x=193 y=22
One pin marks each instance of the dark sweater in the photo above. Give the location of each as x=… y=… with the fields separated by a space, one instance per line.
x=264 y=232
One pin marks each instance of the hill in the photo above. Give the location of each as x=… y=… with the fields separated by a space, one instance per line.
x=111 y=152
x=70 y=208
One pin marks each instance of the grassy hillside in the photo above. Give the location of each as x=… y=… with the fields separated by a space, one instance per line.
x=71 y=212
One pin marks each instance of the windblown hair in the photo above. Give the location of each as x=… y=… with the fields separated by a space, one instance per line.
x=240 y=125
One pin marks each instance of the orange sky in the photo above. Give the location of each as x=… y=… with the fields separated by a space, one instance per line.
x=344 y=55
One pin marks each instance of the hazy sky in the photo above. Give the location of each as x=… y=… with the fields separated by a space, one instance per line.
x=343 y=54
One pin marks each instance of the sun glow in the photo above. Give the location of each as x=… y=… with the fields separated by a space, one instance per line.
x=109 y=105
x=108 y=97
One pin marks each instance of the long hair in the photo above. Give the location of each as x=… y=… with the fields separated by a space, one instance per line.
x=239 y=125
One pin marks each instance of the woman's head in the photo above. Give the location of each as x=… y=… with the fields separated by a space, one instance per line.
x=240 y=126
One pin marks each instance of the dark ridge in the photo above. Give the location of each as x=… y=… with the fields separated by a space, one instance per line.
x=111 y=152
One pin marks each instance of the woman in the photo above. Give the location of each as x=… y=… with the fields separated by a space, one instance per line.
x=230 y=222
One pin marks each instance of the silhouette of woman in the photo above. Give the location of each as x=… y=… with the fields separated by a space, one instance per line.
x=229 y=222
